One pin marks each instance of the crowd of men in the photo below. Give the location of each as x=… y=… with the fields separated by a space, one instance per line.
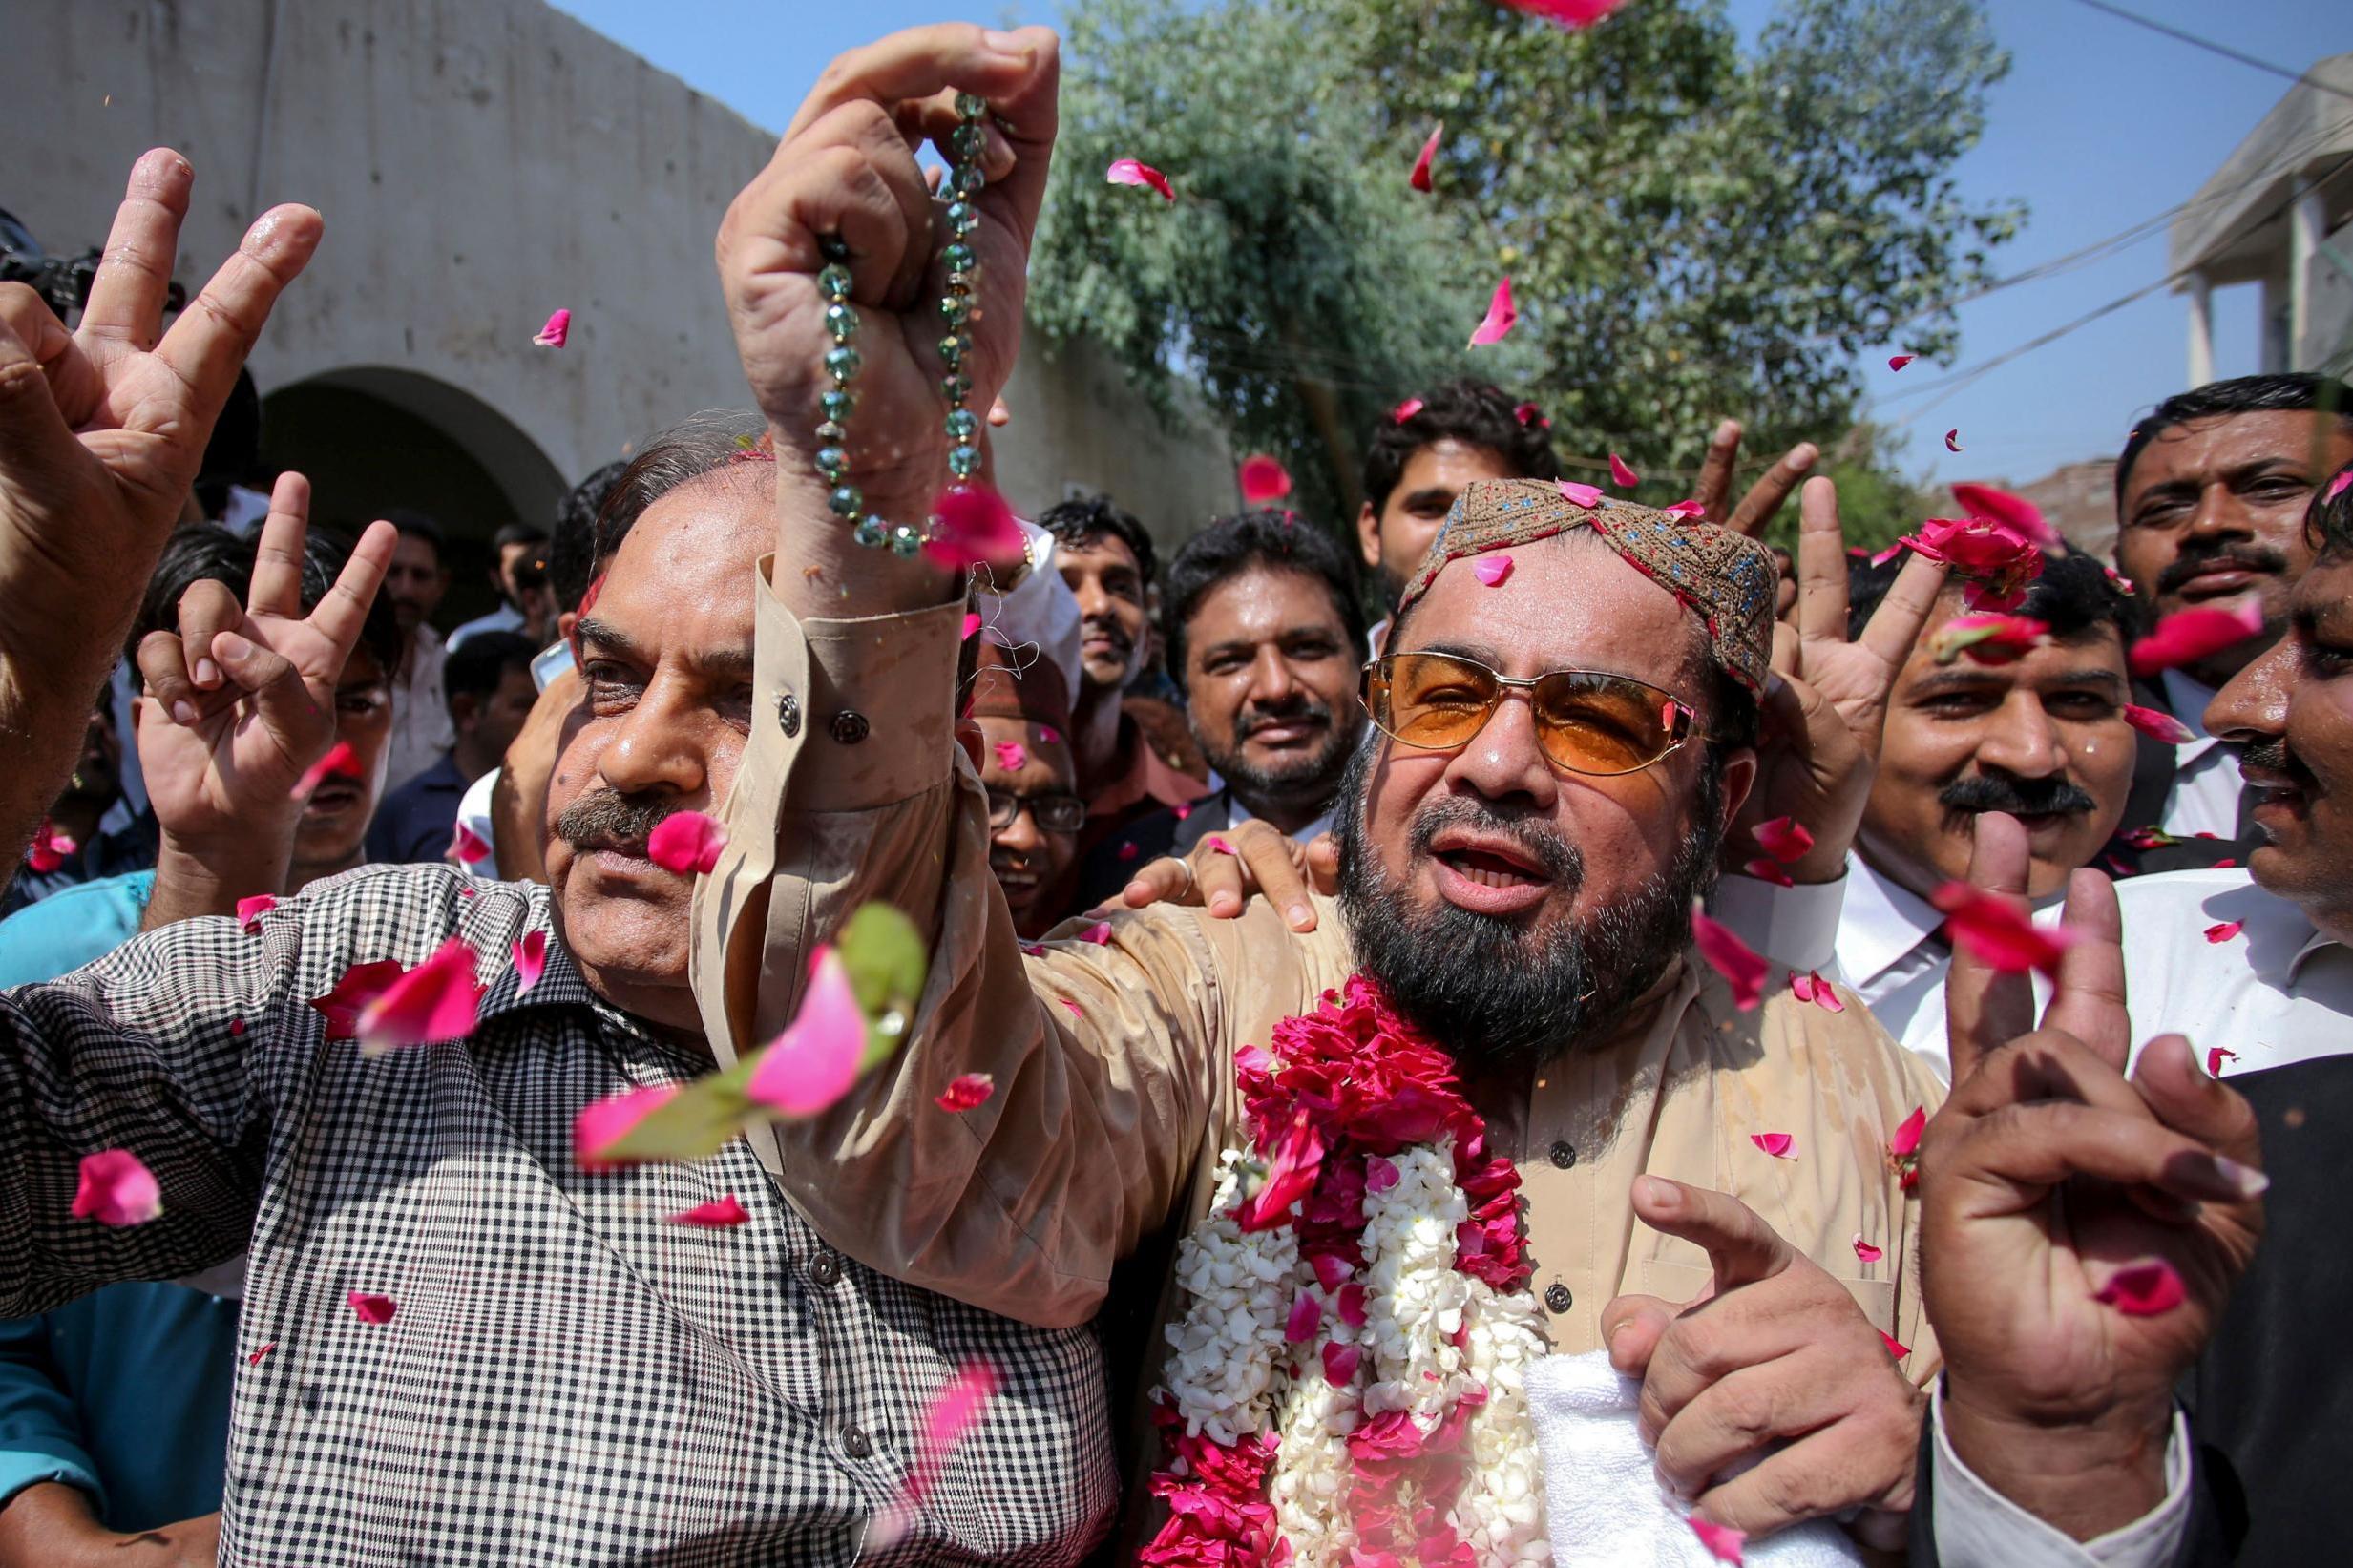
x=1486 y=753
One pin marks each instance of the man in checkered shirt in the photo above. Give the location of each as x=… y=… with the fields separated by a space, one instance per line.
x=566 y=1376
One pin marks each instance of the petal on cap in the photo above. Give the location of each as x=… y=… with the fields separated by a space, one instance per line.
x=250 y=910
x=815 y=1060
x=1492 y=570
x=1695 y=509
x=116 y=1189
x=1587 y=496
x=718 y=1214
x=1730 y=957
x=437 y=1000
x=2188 y=635
x=529 y=960
x=1128 y=171
x=966 y=1093
x=686 y=842
x=1419 y=178
x=340 y=759
x=1501 y=318
x=1621 y=475
x=558 y=327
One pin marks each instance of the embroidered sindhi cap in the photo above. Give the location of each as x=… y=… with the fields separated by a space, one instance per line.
x=1726 y=579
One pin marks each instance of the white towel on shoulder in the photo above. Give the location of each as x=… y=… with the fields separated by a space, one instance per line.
x=1604 y=1507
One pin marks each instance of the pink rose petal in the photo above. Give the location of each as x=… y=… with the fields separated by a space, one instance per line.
x=116 y=1189
x=2015 y=513
x=466 y=846
x=1501 y=318
x=1100 y=932
x=1865 y=1251
x=1049 y=736
x=816 y=1060
x=1075 y=1011
x=1897 y=362
x=1292 y=1168
x=1340 y=1363
x=973 y=526
x=1129 y=850
x=1307 y=1315
x=2157 y=727
x=971 y=626
x=1126 y=171
x=360 y=985
x=1587 y=496
x=2216 y=1056
x=2336 y=486
x=1181 y=811
x=1566 y=14
x=1379 y=1174
x=558 y=327
x=607 y=1122
x=1989 y=637
x=1492 y=570
x=1775 y=1144
x=1529 y=413
x=529 y=960
x=1952 y=440
x=1769 y=870
x=1905 y=1140
x=686 y=842
x=1405 y=411
x=437 y=1000
x=1419 y=178
x=1722 y=1541
x=250 y=910
x=255 y=1359
x=1730 y=957
x=1694 y=509
x=1621 y=475
x=378 y=1310
x=1262 y=480
x=1350 y=1304
x=718 y=1214
x=340 y=759
x=2223 y=931
x=967 y=1092
x=1824 y=995
x=1785 y=839
x=1895 y=1347
x=1997 y=933
x=49 y=849
x=2191 y=634
x=237 y=1027
x=2145 y=1289
x=1012 y=756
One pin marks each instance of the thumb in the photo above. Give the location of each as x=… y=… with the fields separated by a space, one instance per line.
x=1632 y=1327
x=1741 y=1247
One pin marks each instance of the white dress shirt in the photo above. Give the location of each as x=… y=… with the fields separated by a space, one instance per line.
x=421 y=729
x=505 y=618
x=1977 y=1527
x=2274 y=993
x=2205 y=795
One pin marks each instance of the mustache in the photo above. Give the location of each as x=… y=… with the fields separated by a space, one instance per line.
x=2250 y=557
x=1251 y=720
x=1561 y=861
x=2018 y=797
x=1106 y=626
x=607 y=819
x=2272 y=755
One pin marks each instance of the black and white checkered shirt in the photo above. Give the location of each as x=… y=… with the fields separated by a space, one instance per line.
x=569 y=1379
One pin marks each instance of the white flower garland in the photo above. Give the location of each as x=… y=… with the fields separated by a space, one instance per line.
x=1240 y=1284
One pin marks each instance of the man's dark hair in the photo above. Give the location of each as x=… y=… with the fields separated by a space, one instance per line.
x=1472 y=412
x=2294 y=391
x=193 y=554
x=1276 y=541
x=519 y=534
x=477 y=665
x=709 y=443
x=572 y=553
x=415 y=525
x=2074 y=595
x=2328 y=525
x=1080 y=522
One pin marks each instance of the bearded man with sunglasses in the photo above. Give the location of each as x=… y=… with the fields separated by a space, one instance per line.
x=1502 y=1008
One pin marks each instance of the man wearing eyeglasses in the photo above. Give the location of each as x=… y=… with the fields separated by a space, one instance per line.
x=1019 y=740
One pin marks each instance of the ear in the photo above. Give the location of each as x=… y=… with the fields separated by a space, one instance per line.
x=1739 y=778
x=968 y=736
x=1368 y=534
x=464 y=709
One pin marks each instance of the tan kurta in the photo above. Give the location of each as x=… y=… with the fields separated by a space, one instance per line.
x=1114 y=1064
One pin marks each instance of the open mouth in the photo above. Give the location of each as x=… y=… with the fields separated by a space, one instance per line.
x=1488 y=874
x=332 y=796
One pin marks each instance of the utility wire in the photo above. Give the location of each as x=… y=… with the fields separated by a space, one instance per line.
x=2306 y=78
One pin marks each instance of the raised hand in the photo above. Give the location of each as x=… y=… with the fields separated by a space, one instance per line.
x=2044 y=1177
x=101 y=431
x=241 y=698
x=1762 y=502
x=1774 y=1359
x=846 y=167
x=1824 y=713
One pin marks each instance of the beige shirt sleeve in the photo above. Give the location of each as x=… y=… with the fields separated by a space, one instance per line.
x=852 y=789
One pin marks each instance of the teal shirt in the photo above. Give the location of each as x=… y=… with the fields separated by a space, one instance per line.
x=125 y=1392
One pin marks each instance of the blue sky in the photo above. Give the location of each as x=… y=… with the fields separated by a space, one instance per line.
x=2098 y=126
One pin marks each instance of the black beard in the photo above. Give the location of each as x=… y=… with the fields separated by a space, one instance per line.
x=1488 y=990
x=1303 y=782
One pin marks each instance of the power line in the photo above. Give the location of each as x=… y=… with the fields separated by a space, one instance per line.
x=2306 y=78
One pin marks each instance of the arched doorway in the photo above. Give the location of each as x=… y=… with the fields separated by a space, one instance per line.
x=372 y=438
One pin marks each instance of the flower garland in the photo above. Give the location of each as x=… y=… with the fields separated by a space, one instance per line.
x=1347 y=1386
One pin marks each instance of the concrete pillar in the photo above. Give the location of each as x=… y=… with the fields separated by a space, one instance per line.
x=2307 y=227
x=2201 y=331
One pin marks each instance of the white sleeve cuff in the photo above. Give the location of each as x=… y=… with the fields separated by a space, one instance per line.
x=1977 y=1527
x=1797 y=928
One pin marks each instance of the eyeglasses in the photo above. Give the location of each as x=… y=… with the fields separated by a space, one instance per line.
x=1052 y=813
x=1587 y=721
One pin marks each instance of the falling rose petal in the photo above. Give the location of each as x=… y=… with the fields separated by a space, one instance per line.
x=973 y=526
x=815 y=1060
x=361 y=985
x=685 y=842
x=1405 y=411
x=1501 y=318
x=718 y=1214
x=1011 y=755
x=1100 y=932
x=376 y=1310
x=1888 y=554
x=1897 y=362
x=1988 y=637
x=952 y=1415
x=971 y=626
x=1419 y=178
x=1694 y=509
x=1128 y=171
x=2145 y=1289
x=250 y=910
x=2157 y=727
x=1730 y=957
x=529 y=960
x=1997 y=933
x=1865 y=1251
x=2013 y=511
x=2222 y=864
x=1895 y=1347
x=255 y=1359
x=340 y=759
x=1049 y=736
x=1777 y=1145
x=49 y=849
x=466 y=846
x=2216 y=1056
x=1529 y=413
x=605 y=1123
x=1129 y=850
x=1620 y=475
x=1952 y=440
x=1492 y=570
x=1722 y=1541
x=966 y=1093
x=2223 y=931
x=1587 y=496
x=1905 y=1141
x=558 y=327
x=1785 y=839
x=1263 y=479
x=437 y=1000
x=1566 y=14
x=1307 y=1315
x=2189 y=635
x=1340 y=1363
x=116 y=1189
x=2336 y=486
x=1769 y=870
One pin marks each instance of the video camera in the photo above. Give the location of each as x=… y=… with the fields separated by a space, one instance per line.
x=62 y=281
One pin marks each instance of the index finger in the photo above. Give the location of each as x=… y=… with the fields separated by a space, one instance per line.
x=343 y=611
x=1763 y=501
x=212 y=337
x=1893 y=627
x=278 y=554
x=1985 y=1008
x=1821 y=564
x=919 y=63
x=1715 y=469
x=1740 y=1246
x=134 y=271
x=2087 y=998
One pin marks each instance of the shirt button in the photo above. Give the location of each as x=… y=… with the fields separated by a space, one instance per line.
x=856 y=1443
x=825 y=1269
x=788 y=714
x=1558 y=1299
x=1563 y=1154
x=849 y=727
